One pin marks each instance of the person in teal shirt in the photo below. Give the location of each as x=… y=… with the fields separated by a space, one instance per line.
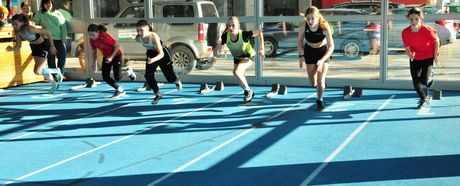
x=54 y=22
x=66 y=11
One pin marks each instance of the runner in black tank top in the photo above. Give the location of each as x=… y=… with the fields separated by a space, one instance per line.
x=316 y=51
x=39 y=46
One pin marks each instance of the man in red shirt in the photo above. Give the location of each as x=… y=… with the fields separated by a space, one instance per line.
x=422 y=45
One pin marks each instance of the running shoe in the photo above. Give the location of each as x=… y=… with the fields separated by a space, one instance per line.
x=142 y=89
x=178 y=85
x=131 y=74
x=59 y=77
x=319 y=105
x=248 y=95
x=53 y=89
x=156 y=99
x=118 y=94
x=421 y=103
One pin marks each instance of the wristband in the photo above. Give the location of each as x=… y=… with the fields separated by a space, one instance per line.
x=301 y=56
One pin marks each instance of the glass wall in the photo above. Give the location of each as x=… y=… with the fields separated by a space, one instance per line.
x=352 y=54
x=448 y=34
x=191 y=30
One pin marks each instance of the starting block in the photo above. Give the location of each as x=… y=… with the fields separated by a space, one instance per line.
x=349 y=92
x=90 y=83
x=435 y=94
x=277 y=89
x=204 y=88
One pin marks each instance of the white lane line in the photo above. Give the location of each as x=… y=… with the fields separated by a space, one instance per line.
x=22 y=93
x=345 y=143
x=73 y=121
x=48 y=96
x=190 y=163
x=113 y=142
x=44 y=105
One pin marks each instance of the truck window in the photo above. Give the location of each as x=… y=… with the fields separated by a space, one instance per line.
x=131 y=12
x=178 y=11
x=208 y=10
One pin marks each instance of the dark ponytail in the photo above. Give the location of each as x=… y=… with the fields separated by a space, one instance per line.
x=96 y=28
x=22 y=19
x=142 y=23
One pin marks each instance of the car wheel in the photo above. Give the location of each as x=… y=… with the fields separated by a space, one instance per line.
x=270 y=47
x=183 y=59
x=352 y=49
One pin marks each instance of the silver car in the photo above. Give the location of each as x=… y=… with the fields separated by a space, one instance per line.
x=190 y=43
x=350 y=39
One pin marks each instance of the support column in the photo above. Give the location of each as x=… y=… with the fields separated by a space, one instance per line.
x=384 y=41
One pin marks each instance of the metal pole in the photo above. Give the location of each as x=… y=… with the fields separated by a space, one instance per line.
x=148 y=13
x=258 y=13
x=384 y=42
x=87 y=16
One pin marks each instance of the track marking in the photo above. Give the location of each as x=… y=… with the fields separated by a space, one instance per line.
x=74 y=120
x=39 y=106
x=247 y=131
x=48 y=96
x=113 y=142
x=345 y=143
x=22 y=93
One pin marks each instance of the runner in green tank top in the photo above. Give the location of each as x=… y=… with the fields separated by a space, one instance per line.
x=238 y=42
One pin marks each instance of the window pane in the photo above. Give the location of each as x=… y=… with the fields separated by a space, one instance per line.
x=447 y=33
x=209 y=10
x=107 y=8
x=351 y=54
x=178 y=11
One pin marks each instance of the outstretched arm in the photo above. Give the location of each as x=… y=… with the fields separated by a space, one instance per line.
x=259 y=33
x=300 y=36
x=116 y=47
x=329 y=50
x=436 y=52
x=219 y=46
x=409 y=53
x=330 y=45
x=18 y=44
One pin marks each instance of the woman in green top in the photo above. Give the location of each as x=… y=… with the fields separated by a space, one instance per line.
x=54 y=22
x=238 y=42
